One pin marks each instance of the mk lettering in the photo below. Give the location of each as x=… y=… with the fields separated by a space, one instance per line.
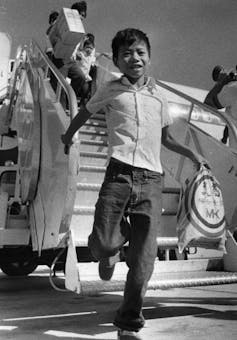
x=212 y=213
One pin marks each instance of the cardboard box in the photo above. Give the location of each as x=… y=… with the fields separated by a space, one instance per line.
x=67 y=33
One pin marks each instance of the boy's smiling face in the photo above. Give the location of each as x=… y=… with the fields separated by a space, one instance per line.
x=88 y=49
x=133 y=61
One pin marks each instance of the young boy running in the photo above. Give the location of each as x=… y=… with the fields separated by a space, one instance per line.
x=138 y=121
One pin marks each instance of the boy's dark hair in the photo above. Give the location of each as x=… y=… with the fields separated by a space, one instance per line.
x=88 y=43
x=53 y=16
x=80 y=6
x=127 y=37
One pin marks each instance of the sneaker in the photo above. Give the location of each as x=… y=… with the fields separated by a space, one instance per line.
x=128 y=335
x=107 y=266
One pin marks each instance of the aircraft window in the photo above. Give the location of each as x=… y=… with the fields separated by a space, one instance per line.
x=11 y=65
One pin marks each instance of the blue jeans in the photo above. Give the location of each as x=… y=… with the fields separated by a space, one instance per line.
x=136 y=193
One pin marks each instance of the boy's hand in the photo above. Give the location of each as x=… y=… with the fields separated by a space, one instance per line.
x=67 y=144
x=224 y=78
x=199 y=161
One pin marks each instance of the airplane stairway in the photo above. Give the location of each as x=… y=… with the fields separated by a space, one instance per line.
x=37 y=179
x=60 y=190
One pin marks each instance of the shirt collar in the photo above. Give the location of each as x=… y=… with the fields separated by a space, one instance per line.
x=149 y=83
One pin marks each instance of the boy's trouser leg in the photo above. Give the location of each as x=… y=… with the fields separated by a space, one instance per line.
x=137 y=192
x=145 y=220
x=110 y=231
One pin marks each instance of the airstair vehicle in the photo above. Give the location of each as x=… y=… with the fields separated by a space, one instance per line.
x=47 y=197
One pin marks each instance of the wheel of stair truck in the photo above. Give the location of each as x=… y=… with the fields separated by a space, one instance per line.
x=22 y=263
x=19 y=267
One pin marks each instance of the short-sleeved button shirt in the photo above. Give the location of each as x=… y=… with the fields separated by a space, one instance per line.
x=135 y=118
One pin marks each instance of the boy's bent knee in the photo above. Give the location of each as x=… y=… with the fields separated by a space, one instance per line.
x=100 y=249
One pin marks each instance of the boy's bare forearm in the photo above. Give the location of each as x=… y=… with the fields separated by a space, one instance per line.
x=77 y=122
x=170 y=143
x=173 y=145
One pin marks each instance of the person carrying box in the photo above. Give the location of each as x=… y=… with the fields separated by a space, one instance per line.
x=52 y=20
x=67 y=63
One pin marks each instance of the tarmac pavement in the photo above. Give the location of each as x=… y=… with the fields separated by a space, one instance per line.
x=32 y=310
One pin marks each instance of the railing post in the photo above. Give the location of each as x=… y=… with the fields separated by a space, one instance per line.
x=190 y=112
x=58 y=91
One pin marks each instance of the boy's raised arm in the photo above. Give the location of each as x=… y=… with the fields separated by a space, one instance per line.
x=170 y=143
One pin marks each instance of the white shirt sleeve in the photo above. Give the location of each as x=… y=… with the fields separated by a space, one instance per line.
x=99 y=100
x=166 y=117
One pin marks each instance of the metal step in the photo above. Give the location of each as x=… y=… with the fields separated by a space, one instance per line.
x=167 y=274
x=93 y=134
x=162 y=282
x=83 y=219
x=91 y=174
x=93 y=158
x=92 y=142
x=93 y=145
x=93 y=129
x=96 y=123
x=87 y=194
x=90 y=209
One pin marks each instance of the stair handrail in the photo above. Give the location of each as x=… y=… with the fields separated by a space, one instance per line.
x=17 y=62
x=46 y=64
x=195 y=101
x=13 y=83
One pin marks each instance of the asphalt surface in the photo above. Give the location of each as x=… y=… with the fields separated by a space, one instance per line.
x=32 y=309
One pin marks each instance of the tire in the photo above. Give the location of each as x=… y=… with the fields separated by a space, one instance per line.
x=21 y=267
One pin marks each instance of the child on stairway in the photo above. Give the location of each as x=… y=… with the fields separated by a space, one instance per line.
x=86 y=56
x=85 y=59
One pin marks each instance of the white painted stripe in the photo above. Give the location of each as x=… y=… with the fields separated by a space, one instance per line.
x=49 y=316
x=62 y=334
x=7 y=328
